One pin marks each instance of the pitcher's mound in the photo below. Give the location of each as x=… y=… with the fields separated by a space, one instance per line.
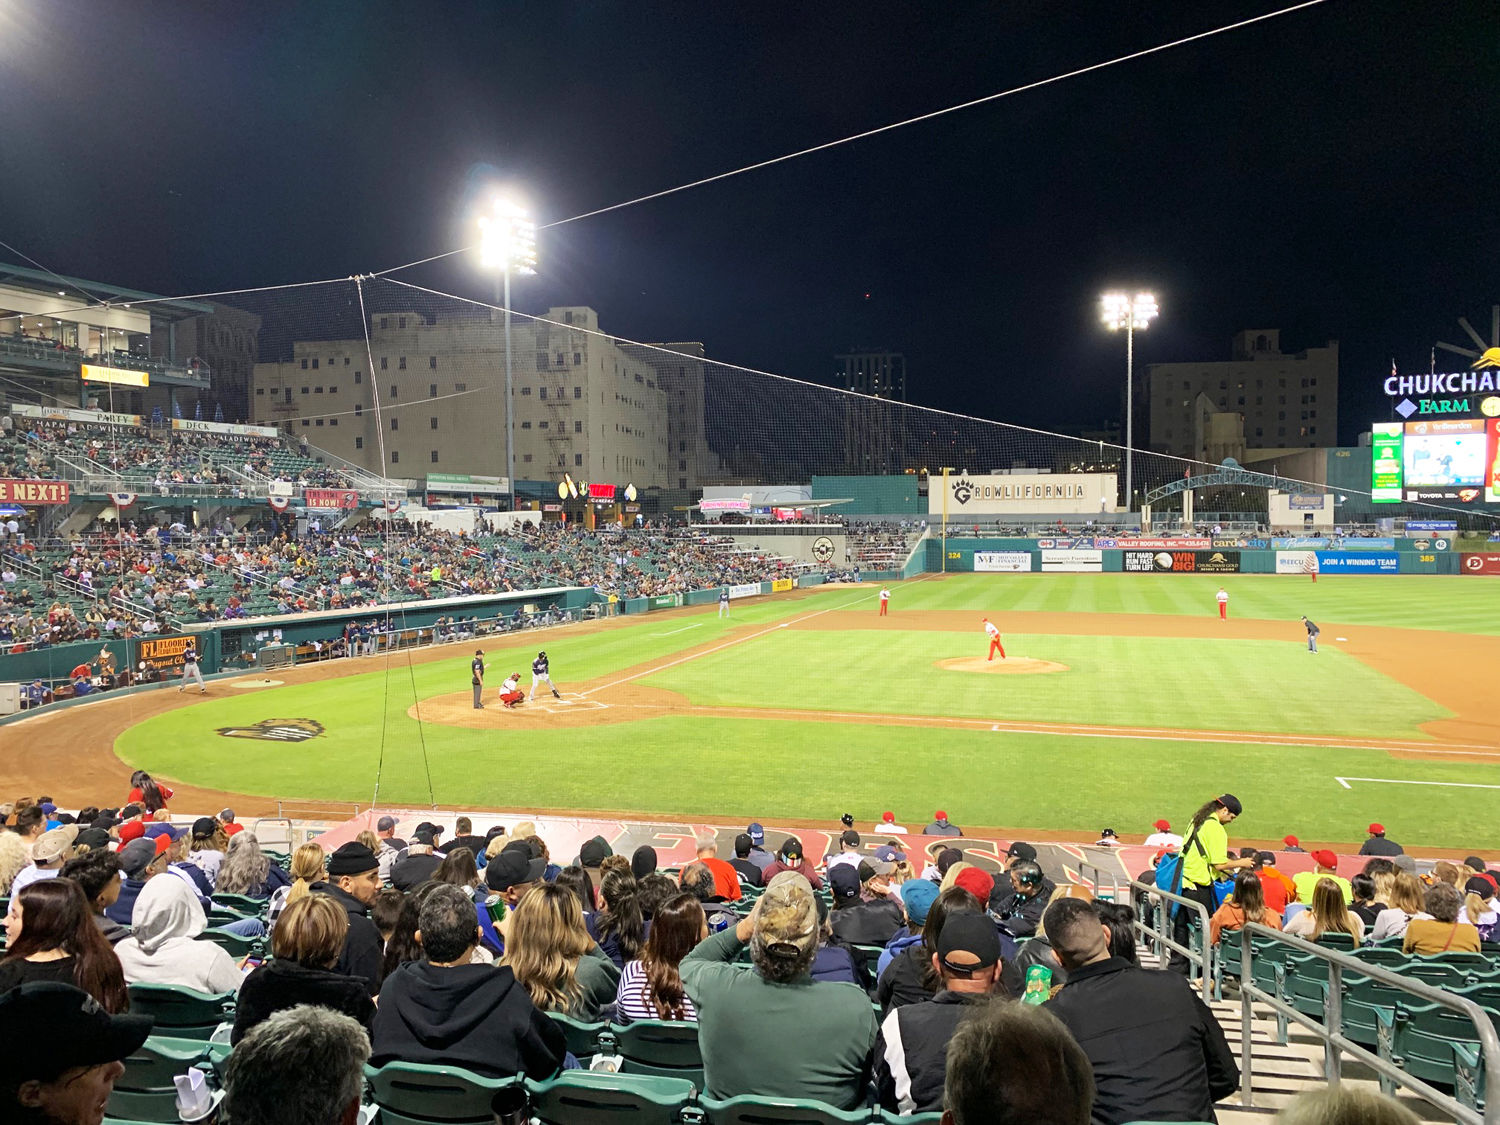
x=1010 y=665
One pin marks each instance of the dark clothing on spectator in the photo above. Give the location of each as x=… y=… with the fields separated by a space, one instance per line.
x=911 y=1052
x=364 y=948
x=867 y=923
x=1367 y=913
x=942 y=828
x=411 y=871
x=276 y=878
x=834 y=963
x=475 y=844
x=1019 y=916
x=805 y=869
x=18 y=971
x=748 y=872
x=111 y=929
x=1379 y=845
x=1157 y=1051
x=905 y=979
x=284 y=984
x=124 y=906
x=473 y=1016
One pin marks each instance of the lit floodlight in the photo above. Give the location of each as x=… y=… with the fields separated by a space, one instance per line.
x=507 y=238
x=1118 y=310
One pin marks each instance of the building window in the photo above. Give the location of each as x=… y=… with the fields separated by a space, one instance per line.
x=304 y=365
x=578 y=427
x=318 y=422
x=346 y=361
x=384 y=363
x=432 y=390
x=385 y=322
x=401 y=363
x=460 y=387
x=317 y=390
x=260 y=390
x=577 y=460
x=305 y=423
x=395 y=457
x=541 y=425
x=289 y=394
x=541 y=359
x=359 y=408
x=304 y=390
x=560 y=359
x=401 y=322
x=359 y=443
x=577 y=359
x=359 y=377
x=577 y=392
x=432 y=423
x=394 y=390
x=525 y=425
x=682 y=466
x=315 y=364
x=568 y=317
x=432 y=362
x=541 y=393
x=526 y=458
x=333 y=421
x=434 y=457
x=395 y=423
x=526 y=390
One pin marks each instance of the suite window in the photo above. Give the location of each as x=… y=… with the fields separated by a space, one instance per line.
x=384 y=363
x=434 y=457
x=432 y=390
x=304 y=365
x=401 y=363
x=395 y=423
x=395 y=457
x=359 y=443
x=433 y=424
x=432 y=362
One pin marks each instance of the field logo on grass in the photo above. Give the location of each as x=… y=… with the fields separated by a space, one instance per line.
x=277 y=730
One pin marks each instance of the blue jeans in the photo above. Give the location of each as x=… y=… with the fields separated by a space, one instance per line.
x=246 y=927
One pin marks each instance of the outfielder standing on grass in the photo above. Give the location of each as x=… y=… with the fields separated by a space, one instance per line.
x=885 y=600
x=993 y=632
x=476 y=667
x=190 y=668
x=539 y=672
x=1223 y=599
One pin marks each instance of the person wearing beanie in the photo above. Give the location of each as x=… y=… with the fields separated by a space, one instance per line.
x=643 y=861
x=941 y=826
x=353 y=882
x=750 y=875
x=1377 y=844
x=1291 y=844
x=591 y=855
x=1327 y=868
x=1163 y=837
x=1205 y=858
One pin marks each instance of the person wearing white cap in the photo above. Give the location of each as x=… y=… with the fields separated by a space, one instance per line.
x=51 y=850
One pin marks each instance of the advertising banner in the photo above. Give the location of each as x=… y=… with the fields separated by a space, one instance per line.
x=1385 y=462
x=665 y=601
x=93 y=373
x=1492 y=461
x=1228 y=541
x=780 y=585
x=1427 y=526
x=994 y=493
x=61 y=414
x=222 y=428
x=728 y=504
x=1480 y=564
x=467 y=484
x=1182 y=562
x=1007 y=561
x=747 y=590
x=1361 y=562
x=1294 y=562
x=1073 y=561
x=1187 y=543
x=1369 y=544
x=1282 y=543
x=29 y=492
x=1423 y=546
x=1218 y=562
x=1307 y=502
x=333 y=499
x=165 y=652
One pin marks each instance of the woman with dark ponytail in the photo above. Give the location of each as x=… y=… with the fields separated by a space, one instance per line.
x=621 y=923
x=1205 y=858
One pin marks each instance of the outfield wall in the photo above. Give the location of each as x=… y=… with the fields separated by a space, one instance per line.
x=1200 y=555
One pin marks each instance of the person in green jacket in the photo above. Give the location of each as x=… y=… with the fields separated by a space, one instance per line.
x=768 y=1028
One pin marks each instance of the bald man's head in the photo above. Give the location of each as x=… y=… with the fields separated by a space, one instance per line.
x=1076 y=932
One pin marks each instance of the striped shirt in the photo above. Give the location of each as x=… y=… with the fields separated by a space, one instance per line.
x=633 y=1000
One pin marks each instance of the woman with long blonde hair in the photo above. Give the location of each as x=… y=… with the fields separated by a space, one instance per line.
x=307 y=868
x=1327 y=915
x=1404 y=902
x=553 y=957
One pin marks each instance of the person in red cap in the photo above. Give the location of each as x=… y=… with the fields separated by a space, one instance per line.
x=1292 y=844
x=1377 y=844
x=888 y=824
x=1328 y=868
x=940 y=826
x=1163 y=837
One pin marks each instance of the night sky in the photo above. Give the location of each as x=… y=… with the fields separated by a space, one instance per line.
x=1332 y=172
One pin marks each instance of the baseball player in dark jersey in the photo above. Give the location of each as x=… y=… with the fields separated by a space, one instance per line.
x=540 y=672
x=190 y=669
x=477 y=668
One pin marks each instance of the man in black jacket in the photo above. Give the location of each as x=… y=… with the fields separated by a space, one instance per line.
x=1157 y=1051
x=1020 y=912
x=418 y=863
x=353 y=881
x=464 y=837
x=911 y=1050
x=446 y=1011
x=856 y=922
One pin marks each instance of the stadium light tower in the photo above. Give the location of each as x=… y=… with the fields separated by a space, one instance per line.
x=507 y=244
x=1118 y=310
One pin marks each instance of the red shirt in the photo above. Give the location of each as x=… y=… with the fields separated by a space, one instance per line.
x=1277 y=889
x=726 y=879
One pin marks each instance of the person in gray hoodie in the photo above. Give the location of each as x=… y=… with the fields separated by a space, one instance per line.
x=444 y=1010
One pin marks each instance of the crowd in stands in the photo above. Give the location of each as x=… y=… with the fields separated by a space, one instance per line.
x=997 y=997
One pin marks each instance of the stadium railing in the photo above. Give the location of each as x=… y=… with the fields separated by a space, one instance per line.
x=1095 y=875
x=1159 y=930
x=1336 y=1043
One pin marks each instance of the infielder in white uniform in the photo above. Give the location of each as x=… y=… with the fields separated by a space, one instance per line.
x=540 y=672
x=190 y=670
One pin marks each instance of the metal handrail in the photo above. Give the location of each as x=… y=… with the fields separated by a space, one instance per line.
x=1114 y=880
x=1330 y=1029
x=1162 y=935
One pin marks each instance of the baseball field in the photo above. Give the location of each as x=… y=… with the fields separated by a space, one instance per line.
x=1123 y=698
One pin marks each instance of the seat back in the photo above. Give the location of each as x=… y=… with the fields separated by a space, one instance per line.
x=1335 y=940
x=424 y=1094
x=582 y=1097
x=668 y=1049
x=181 y=1012
x=582 y=1038
x=146 y=1092
x=243 y=905
x=236 y=945
x=748 y=1109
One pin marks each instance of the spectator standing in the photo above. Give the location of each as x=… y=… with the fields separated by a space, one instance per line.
x=1377 y=844
x=1156 y=1050
x=306 y=945
x=302 y=1066
x=911 y=1050
x=1205 y=858
x=828 y=1058
x=65 y=1076
x=651 y=988
x=353 y=881
x=50 y=936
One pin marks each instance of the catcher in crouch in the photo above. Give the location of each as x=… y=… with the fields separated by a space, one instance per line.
x=510 y=690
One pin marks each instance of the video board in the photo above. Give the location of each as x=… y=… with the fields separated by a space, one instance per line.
x=1455 y=460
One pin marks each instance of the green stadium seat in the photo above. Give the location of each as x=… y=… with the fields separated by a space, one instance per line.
x=748 y=1109
x=1386 y=956
x=888 y=1118
x=583 y=1038
x=1468 y=1075
x=145 y=1092
x=666 y=1048
x=181 y=1012
x=1447 y=970
x=422 y=1094
x=1421 y=1038
x=222 y=916
x=1305 y=984
x=243 y=905
x=582 y=1097
x=1362 y=997
x=236 y=945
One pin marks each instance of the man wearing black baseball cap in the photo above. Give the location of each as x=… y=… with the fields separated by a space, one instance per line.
x=63 y=1077
x=911 y=1050
x=353 y=881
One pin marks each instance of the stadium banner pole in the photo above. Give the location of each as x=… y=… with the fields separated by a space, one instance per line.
x=943 y=568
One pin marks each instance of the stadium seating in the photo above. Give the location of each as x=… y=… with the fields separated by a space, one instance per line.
x=748 y=1109
x=145 y=1092
x=663 y=1048
x=181 y=1012
x=582 y=1037
x=579 y=1097
x=421 y=1094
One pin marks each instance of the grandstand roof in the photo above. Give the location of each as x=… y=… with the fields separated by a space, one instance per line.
x=164 y=307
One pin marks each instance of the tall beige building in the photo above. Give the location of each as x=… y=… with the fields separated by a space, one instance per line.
x=584 y=405
x=1261 y=398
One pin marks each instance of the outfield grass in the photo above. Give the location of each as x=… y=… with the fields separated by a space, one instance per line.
x=733 y=769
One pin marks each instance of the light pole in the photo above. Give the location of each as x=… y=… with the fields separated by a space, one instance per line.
x=1130 y=313
x=507 y=242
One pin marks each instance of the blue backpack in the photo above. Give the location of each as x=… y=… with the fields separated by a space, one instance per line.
x=1169 y=874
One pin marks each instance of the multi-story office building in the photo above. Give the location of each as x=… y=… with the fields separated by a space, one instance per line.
x=875 y=432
